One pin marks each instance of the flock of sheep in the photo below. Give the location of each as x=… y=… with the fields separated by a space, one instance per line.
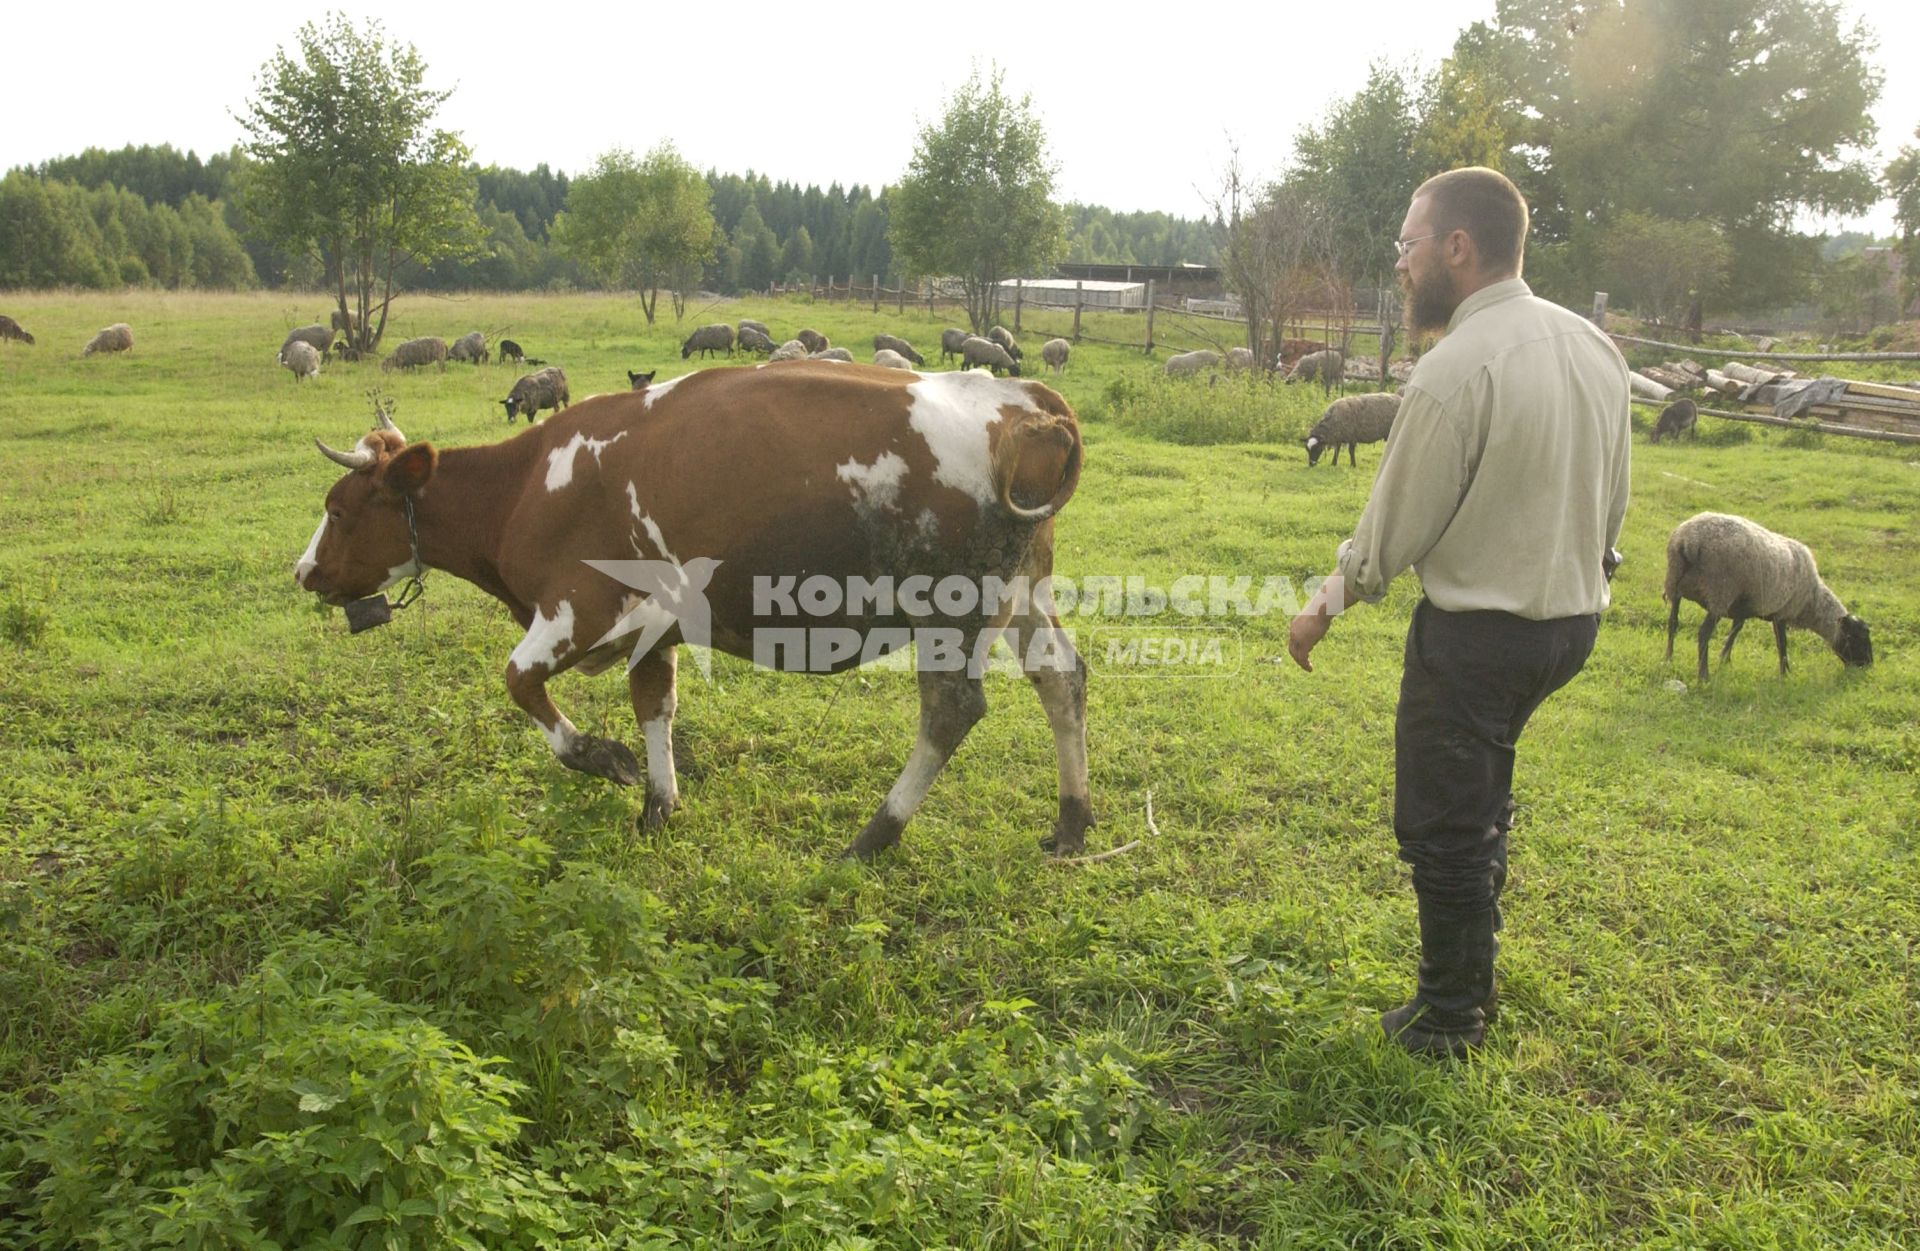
x=1732 y=567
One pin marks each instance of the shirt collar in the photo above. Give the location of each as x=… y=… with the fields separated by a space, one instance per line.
x=1485 y=297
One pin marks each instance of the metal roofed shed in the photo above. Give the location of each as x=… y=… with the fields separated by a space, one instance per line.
x=1066 y=292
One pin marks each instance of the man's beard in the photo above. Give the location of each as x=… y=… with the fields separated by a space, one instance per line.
x=1430 y=303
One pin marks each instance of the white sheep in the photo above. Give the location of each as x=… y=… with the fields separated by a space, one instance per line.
x=831 y=354
x=1004 y=337
x=1737 y=568
x=299 y=357
x=791 y=350
x=115 y=338
x=1189 y=363
x=1349 y=421
x=1326 y=365
x=978 y=351
x=887 y=358
x=1054 y=353
x=1239 y=359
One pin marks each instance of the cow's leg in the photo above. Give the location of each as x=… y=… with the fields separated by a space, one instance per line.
x=651 y=683
x=548 y=649
x=1047 y=656
x=950 y=703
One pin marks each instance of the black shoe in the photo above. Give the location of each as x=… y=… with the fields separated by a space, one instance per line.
x=1419 y=1029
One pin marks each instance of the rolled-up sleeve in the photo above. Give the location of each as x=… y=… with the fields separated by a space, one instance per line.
x=1422 y=476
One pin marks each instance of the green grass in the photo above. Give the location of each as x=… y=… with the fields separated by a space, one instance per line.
x=294 y=925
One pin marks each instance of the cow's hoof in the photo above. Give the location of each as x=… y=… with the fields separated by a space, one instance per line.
x=656 y=811
x=881 y=833
x=603 y=758
x=1069 y=837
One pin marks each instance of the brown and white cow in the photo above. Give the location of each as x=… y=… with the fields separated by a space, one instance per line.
x=738 y=481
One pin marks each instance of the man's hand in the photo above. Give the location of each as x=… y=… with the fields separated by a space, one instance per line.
x=1311 y=625
x=1307 y=629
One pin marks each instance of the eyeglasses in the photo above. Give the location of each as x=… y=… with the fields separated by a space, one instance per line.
x=1404 y=246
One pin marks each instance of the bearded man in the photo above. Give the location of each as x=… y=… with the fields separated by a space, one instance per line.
x=1503 y=485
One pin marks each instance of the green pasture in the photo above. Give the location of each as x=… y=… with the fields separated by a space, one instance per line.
x=306 y=940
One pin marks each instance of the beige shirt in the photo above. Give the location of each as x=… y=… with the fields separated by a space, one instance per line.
x=1504 y=481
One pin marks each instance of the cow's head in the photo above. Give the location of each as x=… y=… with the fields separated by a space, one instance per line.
x=364 y=544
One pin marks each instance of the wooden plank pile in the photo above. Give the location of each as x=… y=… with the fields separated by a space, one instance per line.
x=1868 y=410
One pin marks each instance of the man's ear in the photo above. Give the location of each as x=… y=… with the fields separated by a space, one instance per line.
x=410 y=467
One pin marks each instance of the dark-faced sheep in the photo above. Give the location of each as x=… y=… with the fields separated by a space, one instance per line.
x=1350 y=421
x=11 y=329
x=638 y=382
x=299 y=358
x=888 y=343
x=1737 y=568
x=707 y=340
x=977 y=351
x=427 y=350
x=316 y=336
x=1054 y=353
x=950 y=340
x=755 y=340
x=546 y=389
x=815 y=341
x=115 y=338
x=1677 y=418
x=1004 y=337
x=470 y=347
x=509 y=351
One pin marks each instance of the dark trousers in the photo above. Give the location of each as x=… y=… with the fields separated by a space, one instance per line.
x=1471 y=681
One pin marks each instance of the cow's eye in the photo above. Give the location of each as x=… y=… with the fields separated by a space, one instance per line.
x=336 y=514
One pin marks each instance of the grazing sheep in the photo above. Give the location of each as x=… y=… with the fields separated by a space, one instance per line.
x=831 y=354
x=755 y=340
x=471 y=348
x=345 y=351
x=709 y=339
x=509 y=351
x=11 y=329
x=546 y=389
x=900 y=347
x=1735 y=568
x=345 y=323
x=1239 y=359
x=815 y=341
x=316 y=336
x=115 y=338
x=791 y=350
x=1352 y=420
x=300 y=359
x=1054 y=353
x=1326 y=365
x=747 y=324
x=950 y=341
x=978 y=351
x=1189 y=363
x=1004 y=337
x=887 y=358
x=1676 y=419
x=638 y=382
x=429 y=350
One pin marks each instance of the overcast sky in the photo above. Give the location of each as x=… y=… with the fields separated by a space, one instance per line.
x=1139 y=109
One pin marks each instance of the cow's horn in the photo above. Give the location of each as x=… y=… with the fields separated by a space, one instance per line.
x=358 y=458
x=386 y=423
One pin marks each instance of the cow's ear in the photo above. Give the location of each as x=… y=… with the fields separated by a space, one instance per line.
x=410 y=468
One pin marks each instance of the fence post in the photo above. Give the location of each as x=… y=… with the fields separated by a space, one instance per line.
x=1079 y=298
x=901 y=295
x=1388 y=315
x=1019 y=301
x=876 y=293
x=929 y=286
x=1149 y=316
x=1600 y=309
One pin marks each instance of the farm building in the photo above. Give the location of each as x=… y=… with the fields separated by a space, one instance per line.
x=1065 y=292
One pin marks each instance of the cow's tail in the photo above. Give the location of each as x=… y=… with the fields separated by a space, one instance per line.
x=1036 y=464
